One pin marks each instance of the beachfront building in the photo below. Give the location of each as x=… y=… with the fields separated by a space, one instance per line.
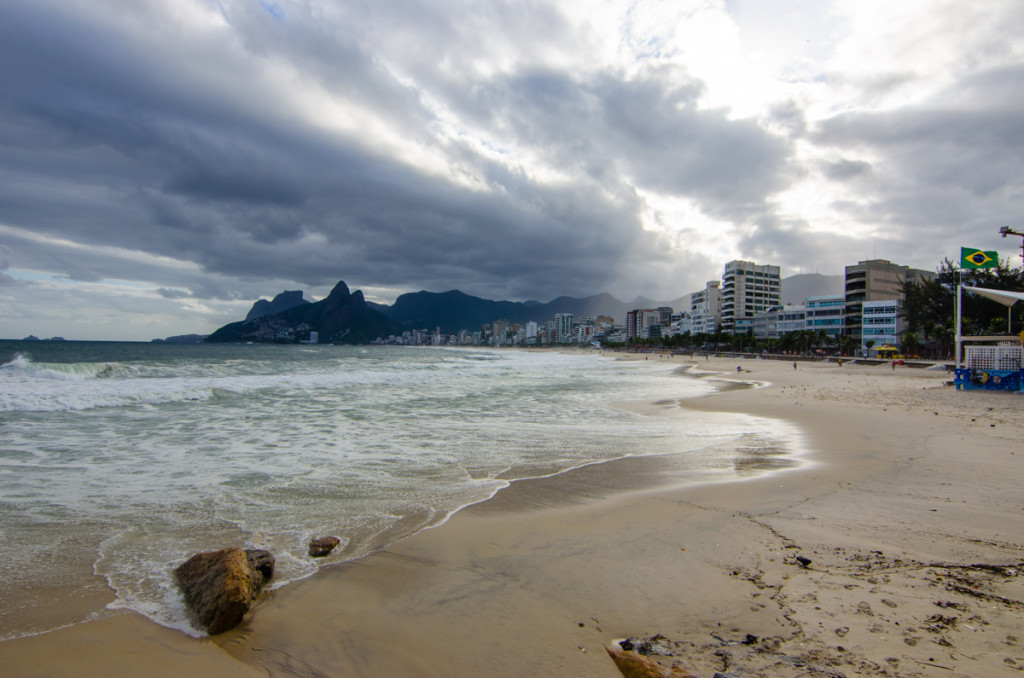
x=650 y=317
x=499 y=332
x=879 y=325
x=766 y=324
x=875 y=280
x=780 y=320
x=677 y=324
x=563 y=328
x=532 y=331
x=827 y=313
x=748 y=289
x=639 y=322
x=706 y=308
x=792 y=318
x=585 y=330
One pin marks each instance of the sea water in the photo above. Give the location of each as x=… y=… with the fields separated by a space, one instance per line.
x=121 y=460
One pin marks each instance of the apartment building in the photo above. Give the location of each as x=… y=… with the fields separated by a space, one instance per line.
x=706 y=308
x=563 y=328
x=748 y=289
x=640 y=321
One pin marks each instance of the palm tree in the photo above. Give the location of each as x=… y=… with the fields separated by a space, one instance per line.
x=909 y=343
x=822 y=338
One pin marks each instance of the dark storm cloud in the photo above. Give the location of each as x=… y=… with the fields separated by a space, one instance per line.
x=642 y=129
x=130 y=137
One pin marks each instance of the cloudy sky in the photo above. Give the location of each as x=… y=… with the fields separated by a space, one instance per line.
x=164 y=163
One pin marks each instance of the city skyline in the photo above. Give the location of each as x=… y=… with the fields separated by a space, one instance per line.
x=165 y=164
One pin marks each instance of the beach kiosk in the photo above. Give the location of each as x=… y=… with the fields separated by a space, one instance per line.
x=887 y=352
x=992 y=363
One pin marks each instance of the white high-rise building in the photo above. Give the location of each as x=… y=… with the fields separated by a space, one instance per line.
x=748 y=289
x=563 y=328
x=706 y=309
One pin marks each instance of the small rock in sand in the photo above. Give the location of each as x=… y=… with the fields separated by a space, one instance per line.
x=632 y=665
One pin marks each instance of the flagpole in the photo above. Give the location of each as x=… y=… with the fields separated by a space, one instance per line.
x=959 y=314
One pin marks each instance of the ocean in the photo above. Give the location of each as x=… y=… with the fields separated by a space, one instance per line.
x=118 y=461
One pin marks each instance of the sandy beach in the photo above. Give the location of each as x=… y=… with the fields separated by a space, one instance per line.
x=907 y=512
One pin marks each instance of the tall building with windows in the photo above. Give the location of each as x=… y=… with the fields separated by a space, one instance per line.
x=748 y=289
x=563 y=328
x=531 y=332
x=640 y=321
x=875 y=280
x=879 y=325
x=706 y=308
x=500 y=332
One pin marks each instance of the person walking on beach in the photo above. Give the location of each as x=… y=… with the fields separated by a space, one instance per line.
x=794 y=364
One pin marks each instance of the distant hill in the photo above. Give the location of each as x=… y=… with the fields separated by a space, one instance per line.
x=182 y=339
x=282 y=302
x=342 y=317
x=796 y=288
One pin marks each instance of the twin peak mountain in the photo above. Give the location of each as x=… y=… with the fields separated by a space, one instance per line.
x=345 y=317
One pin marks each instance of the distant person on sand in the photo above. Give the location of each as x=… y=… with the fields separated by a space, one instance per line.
x=739 y=369
x=794 y=364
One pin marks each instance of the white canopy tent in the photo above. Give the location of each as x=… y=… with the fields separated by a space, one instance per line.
x=1004 y=297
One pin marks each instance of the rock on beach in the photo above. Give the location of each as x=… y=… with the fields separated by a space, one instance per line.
x=220 y=586
x=321 y=546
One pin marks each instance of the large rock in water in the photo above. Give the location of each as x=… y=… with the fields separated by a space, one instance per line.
x=220 y=586
x=322 y=546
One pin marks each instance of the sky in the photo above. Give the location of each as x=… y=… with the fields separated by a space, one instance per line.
x=165 y=163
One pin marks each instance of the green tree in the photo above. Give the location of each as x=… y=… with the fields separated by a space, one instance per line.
x=929 y=305
x=909 y=343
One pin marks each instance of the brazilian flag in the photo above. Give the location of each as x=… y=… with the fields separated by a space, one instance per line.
x=970 y=258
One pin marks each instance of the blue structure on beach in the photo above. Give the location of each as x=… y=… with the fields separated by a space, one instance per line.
x=994 y=368
x=967 y=379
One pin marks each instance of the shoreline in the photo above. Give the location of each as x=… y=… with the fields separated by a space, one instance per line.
x=524 y=584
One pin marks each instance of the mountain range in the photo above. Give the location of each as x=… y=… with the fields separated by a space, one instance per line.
x=342 y=317
x=346 y=317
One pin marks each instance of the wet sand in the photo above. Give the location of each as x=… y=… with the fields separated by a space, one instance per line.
x=909 y=511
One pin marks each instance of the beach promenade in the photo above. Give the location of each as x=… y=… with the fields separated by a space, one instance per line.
x=894 y=548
